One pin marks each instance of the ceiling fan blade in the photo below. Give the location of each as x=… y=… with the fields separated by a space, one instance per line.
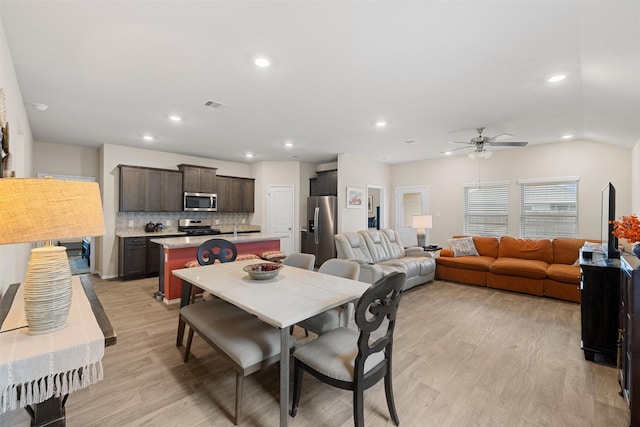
x=500 y=137
x=460 y=142
x=508 y=144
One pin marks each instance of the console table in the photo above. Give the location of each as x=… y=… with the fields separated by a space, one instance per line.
x=50 y=412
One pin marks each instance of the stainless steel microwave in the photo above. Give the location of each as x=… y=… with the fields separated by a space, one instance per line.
x=200 y=202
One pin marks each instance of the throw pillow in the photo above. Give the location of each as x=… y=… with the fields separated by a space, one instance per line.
x=463 y=247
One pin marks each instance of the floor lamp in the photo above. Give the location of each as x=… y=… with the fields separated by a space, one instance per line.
x=33 y=210
x=421 y=222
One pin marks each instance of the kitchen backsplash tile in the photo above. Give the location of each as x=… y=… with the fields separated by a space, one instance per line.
x=137 y=220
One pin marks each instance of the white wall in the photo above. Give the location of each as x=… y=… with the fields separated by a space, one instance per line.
x=110 y=156
x=355 y=171
x=595 y=164
x=64 y=159
x=13 y=258
x=635 y=179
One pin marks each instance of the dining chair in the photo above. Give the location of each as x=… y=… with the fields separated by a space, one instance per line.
x=339 y=316
x=354 y=360
x=242 y=339
x=299 y=260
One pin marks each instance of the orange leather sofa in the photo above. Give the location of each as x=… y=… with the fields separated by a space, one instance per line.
x=539 y=267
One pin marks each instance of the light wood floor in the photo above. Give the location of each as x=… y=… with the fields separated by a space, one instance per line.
x=464 y=356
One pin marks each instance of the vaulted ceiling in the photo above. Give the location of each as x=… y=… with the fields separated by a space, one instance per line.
x=113 y=72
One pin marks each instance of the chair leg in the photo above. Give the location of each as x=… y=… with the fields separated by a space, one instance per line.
x=297 y=386
x=187 y=349
x=358 y=407
x=239 y=381
x=388 y=389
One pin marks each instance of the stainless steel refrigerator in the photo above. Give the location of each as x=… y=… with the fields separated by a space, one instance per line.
x=322 y=225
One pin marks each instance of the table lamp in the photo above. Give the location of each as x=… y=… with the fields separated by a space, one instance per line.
x=33 y=210
x=421 y=222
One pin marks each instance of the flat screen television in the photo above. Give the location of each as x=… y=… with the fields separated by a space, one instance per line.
x=609 y=241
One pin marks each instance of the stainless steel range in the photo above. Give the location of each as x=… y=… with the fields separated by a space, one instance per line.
x=197 y=227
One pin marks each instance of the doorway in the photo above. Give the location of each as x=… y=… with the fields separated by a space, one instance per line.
x=375 y=207
x=281 y=215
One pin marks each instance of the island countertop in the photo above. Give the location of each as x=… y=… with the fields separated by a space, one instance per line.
x=195 y=241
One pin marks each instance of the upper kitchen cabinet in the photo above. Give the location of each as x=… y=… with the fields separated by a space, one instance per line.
x=327 y=183
x=150 y=190
x=198 y=179
x=235 y=194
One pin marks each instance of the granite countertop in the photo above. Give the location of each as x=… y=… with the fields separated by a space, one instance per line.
x=194 y=241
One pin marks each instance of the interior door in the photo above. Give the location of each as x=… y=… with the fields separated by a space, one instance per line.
x=281 y=215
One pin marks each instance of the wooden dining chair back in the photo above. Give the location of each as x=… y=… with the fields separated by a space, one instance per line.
x=299 y=260
x=216 y=249
x=339 y=316
x=356 y=360
x=243 y=340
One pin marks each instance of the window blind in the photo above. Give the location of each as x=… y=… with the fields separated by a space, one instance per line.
x=486 y=210
x=548 y=209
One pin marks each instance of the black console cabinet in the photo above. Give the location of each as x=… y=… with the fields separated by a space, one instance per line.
x=630 y=336
x=600 y=308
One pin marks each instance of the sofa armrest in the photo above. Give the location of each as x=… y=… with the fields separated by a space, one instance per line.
x=414 y=251
x=370 y=273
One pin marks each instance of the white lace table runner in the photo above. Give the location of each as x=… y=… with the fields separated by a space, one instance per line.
x=34 y=368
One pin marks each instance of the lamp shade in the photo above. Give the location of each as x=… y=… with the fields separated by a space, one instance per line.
x=421 y=221
x=33 y=209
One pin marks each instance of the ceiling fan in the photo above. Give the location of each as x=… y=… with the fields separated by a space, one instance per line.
x=479 y=144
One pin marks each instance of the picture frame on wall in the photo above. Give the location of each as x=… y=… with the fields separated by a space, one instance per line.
x=354 y=197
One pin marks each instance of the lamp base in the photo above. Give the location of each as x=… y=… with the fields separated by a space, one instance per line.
x=47 y=290
x=422 y=237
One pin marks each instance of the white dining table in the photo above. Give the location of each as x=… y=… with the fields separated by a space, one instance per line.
x=292 y=296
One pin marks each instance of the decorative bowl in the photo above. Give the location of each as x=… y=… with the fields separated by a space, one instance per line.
x=263 y=270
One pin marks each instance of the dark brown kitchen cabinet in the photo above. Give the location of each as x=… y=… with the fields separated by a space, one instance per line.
x=327 y=183
x=150 y=190
x=235 y=194
x=139 y=257
x=198 y=179
x=163 y=192
x=132 y=196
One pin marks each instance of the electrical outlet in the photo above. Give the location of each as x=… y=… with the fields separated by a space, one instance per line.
x=131 y=223
x=167 y=222
x=244 y=220
x=217 y=222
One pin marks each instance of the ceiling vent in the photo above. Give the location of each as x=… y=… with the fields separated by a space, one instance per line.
x=214 y=104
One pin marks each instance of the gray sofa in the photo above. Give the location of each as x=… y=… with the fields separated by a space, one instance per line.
x=380 y=252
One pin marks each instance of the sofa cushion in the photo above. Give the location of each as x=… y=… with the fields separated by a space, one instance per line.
x=564 y=273
x=526 y=249
x=351 y=245
x=378 y=245
x=566 y=251
x=486 y=246
x=478 y=263
x=532 y=269
x=463 y=246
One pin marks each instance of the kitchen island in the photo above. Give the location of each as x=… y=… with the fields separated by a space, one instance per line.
x=176 y=251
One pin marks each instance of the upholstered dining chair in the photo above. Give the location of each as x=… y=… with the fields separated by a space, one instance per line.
x=339 y=316
x=354 y=360
x=242 y=339
x=299 y=260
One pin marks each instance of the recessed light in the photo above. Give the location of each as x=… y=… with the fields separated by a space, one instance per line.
x=249 y=155
x=40 y=107
x=568 y=136
x=262 y=62
x=381 y=123
x=175 y=118
x=411 y=141
x=147 y=137
x=447 y=153
x=557 y=78
x=288 y=144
